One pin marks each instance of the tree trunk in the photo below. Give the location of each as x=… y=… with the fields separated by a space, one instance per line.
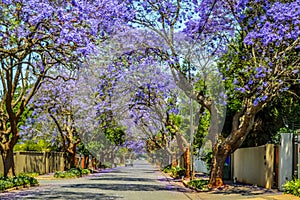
x=187 y=163
x=86 y=161
x=8 y=155
x=174 y=160
x=99 y=163
x=184 y=148
x=72 y=156
x=216 y=172
x=242 y=123
x=8 y=162
x=71 y=160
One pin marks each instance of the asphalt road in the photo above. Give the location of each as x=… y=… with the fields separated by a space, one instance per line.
x=140 y=182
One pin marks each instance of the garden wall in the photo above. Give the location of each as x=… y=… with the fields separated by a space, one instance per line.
x=40 y=162
x=254 y=165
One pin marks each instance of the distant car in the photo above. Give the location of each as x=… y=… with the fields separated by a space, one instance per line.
x=128 y=162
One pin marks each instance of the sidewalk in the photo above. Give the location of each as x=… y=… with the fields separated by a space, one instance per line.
x=246 y=192
x=219 y=196
x=45 y=176
x=238 y=192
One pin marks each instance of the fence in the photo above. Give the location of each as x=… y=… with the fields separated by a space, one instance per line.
x=268 y=165
x=254 y=165
x=39 y=162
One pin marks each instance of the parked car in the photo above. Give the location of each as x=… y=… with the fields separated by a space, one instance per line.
x=128 y=162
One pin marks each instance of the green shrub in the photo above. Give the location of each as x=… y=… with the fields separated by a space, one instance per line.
x=25 y=179
x=5 y=185
x=199 y=184
x=107 y=165
x=72 y=173
x=16 y=181
x=167 y=169
x=30 y=145
x=65 y=174
x=76 y=171
x=33 y=181
x=32 y=174
x=292 y=187
x=2 y=178
x=207 y=158
x=178 y=172
x=58 y=174
x=86 y=171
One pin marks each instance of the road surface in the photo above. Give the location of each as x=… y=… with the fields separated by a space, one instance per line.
x=140 y=182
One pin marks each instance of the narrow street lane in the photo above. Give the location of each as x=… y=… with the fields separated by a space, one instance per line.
x=140 y=182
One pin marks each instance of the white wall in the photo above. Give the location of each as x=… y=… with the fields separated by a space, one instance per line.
x=254 y=165
x=285 y=159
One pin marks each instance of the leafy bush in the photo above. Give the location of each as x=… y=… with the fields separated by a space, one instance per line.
x=72 y=173
x=66 y=174
x=5 y=185
x=107 y=165
x=86 y=171
x=167 y=169
x=178 y=172
x=199 y=184
x=207 y=158
x=40 y=145
x=32 y=174
x=27 y=180
x=20 y=180
x=58 y=174
x=292 y=187
x=76 y=171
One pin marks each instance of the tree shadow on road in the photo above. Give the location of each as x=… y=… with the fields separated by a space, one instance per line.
x=110 y=171
x=129 y=187
x=46 y=194
x=119 y=178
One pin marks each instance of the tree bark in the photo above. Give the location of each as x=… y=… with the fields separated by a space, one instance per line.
x=8 y=162
x=184 y=148
x=174 y=159
x=241 y=125
x=72 y=156
x=86 y=161
x=216 y=173
x=8 y=154
x=187 y=163
x=71 y=160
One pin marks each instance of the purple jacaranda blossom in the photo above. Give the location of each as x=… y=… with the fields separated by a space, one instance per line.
x=256 y=101
x=265 y=97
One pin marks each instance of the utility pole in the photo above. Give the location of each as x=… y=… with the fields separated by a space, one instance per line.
x=191 y=140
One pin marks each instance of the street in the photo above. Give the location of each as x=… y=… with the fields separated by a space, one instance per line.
x=140 y=182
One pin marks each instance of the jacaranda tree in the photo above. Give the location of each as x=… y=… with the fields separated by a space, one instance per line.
x=261 y=62
x=97 y=115
x=53 y=103
x=157 y=34
x=40 y=36
x=265 y=62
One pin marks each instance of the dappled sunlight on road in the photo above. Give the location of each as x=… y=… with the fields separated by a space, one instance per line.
x=142 y=181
